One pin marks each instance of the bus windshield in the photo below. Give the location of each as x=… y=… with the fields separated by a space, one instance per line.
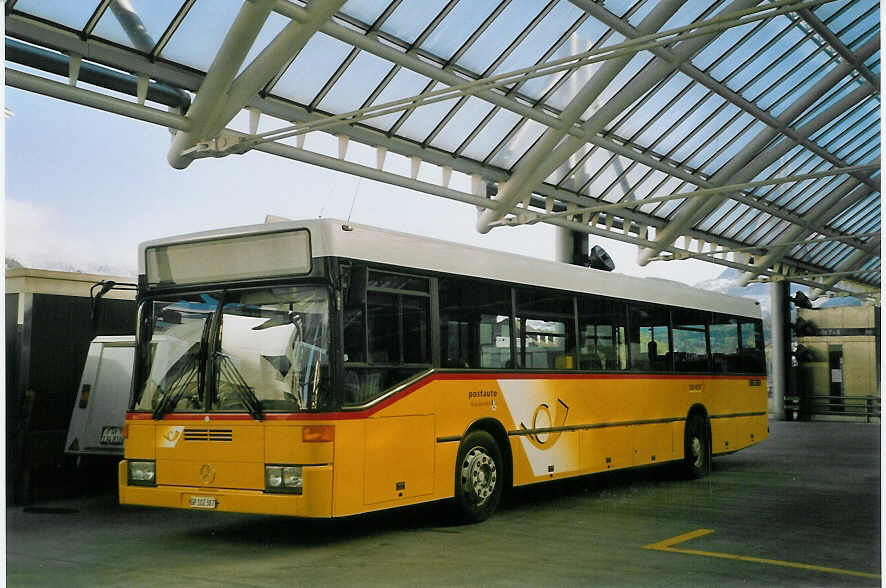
x=273 y=344
x=256 y=350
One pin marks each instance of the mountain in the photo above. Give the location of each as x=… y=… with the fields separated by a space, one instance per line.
x=727 y=283
x=73 y=267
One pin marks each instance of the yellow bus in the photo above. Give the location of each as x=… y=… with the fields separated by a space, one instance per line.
x=323 y=369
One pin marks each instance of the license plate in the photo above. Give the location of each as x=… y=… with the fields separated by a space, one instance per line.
x=111 y=436
x=202 y=502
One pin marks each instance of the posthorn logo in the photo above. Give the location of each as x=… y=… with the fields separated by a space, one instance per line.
x=207 y=473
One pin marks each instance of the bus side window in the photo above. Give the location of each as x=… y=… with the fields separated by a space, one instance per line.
x=725 y=357
x=649 y=338
x=752 y=354
x=398 y=319
x=383 y=326
x=690 y=340
x=475 y=323
x=545 y=329
x=386 y=333
x=602 y=337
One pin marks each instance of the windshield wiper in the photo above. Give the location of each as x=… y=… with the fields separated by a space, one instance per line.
x=229 y=371
x=178 y=386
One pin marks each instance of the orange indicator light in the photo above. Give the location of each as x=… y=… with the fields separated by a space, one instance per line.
x=317 y=433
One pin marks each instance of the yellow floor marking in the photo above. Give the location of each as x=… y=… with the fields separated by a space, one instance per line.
x=668 y=543
x=668 y=546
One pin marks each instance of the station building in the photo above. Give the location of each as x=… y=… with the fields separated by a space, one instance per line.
x=838 y=356
x=50 y=321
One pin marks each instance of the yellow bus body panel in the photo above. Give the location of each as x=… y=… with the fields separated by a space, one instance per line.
x=403 y=450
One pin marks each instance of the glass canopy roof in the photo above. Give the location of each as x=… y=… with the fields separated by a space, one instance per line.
x=744 y=133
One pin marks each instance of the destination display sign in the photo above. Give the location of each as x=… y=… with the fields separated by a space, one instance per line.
x=229 y=259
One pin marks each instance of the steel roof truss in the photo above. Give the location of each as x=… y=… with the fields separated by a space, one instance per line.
x=487 y=173
x=686 y=67
x=834 y=42
x=848 y=144
x=514 y=91
x=31 y=83
x=718 y=191
x=548 y=153
x=227 y=95
x=170 y=30
x=740 y=166
x=466 y=88
x=96 y=16
x=230 y=56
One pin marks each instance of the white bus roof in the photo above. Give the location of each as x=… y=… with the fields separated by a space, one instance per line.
x=329 y=238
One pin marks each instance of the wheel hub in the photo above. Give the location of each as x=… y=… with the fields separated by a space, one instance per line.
x=478 y=475
x=697 y=452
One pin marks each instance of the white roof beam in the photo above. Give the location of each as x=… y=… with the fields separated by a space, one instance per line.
x=287 y=43
x=552 y=50
x=760 y=250
x=221 y=96
x=31 y=83
x=688 y=176
x=424 y=67
x=706 y=192
x=539 y=162
x=237 y=43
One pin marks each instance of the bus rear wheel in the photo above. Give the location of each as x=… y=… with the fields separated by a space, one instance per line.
x=697 y=453
x=479 y=477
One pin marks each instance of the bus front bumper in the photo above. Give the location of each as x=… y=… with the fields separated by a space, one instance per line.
x=314 y=502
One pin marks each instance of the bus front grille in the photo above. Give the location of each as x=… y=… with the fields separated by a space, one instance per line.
x=208 y=435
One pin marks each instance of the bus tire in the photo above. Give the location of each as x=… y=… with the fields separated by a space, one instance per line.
x=697 y=450
x=479 y=477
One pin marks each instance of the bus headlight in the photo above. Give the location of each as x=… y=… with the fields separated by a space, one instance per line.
x=141 y=473
x=273 y=477
x=283 y=478
x=292 y=477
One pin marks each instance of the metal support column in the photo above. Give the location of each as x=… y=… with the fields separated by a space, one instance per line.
x=781 y=345
x=570 y=246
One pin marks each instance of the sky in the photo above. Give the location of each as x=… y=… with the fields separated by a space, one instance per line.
x=83 y=188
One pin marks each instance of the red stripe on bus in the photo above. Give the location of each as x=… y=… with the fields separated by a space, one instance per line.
x=567 y=376
x=359 y=414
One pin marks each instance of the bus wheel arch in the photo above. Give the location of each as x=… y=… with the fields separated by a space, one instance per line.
x=697 y=443
x=480 y=473
x=500 y=435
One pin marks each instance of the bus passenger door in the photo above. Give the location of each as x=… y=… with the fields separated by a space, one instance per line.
x=399 y=458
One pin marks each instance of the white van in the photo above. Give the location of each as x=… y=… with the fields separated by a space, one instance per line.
x=97 y=420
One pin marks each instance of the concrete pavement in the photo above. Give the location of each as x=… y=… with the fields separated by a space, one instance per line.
x=802 y=508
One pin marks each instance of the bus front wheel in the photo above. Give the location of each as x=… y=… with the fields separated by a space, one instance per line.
x=697 y=454
x=479 y=477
